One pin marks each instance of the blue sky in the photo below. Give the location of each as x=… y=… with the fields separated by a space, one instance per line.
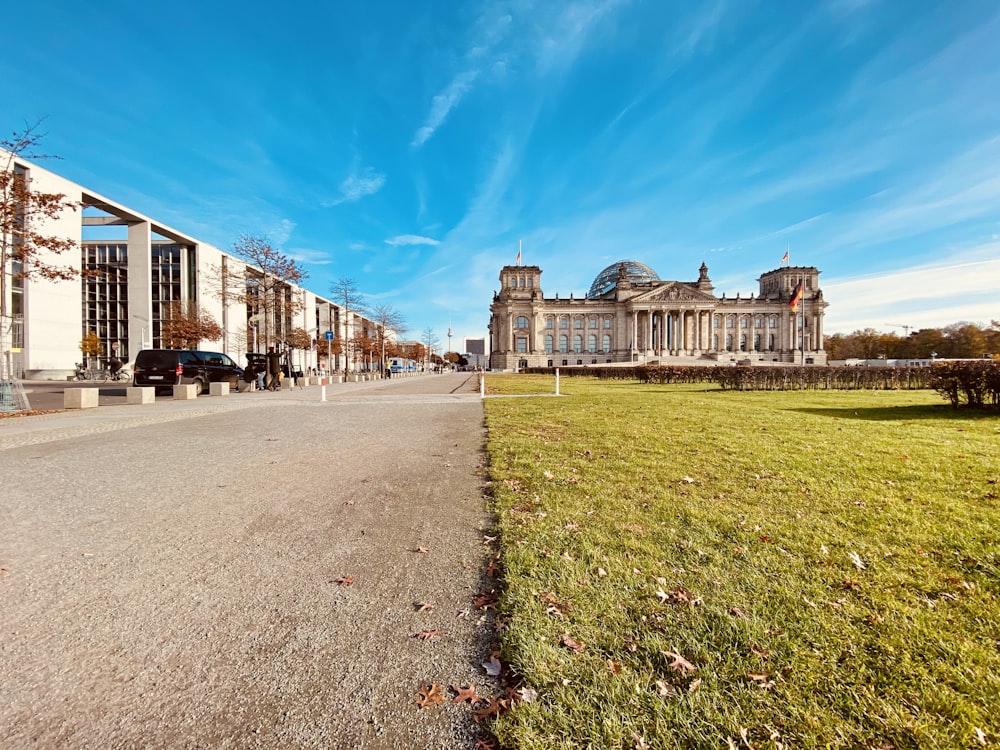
x=411 y=145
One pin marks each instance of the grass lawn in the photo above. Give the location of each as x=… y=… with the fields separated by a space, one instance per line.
x=688 y=567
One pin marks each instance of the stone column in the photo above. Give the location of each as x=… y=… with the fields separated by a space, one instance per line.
x=635 y=331
x=140 y=283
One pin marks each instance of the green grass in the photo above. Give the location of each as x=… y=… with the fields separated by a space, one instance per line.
x=762 y=508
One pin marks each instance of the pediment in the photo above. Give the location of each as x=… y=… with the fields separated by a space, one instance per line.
x=673 y=291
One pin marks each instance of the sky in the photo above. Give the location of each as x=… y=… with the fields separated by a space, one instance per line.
x=415 y=145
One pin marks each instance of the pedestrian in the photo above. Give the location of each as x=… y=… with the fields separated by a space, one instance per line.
x=273 y=368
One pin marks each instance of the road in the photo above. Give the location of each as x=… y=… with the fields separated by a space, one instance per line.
x=246 y=571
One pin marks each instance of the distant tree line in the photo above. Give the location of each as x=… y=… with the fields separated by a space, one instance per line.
x=957 y=341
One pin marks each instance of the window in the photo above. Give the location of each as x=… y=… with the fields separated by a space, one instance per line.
x=729 y=342
x=744 y=322
x=729 y=321
x=563 y=343
x=606 y=345
x=756 y=342
x=592 y=343
x=577 y=343
x=772 y=323
x=548 y=343
x=522 y=344
x=715 y=341
x=770 y=342
x=564 y=322
x=520 y=322
x=578 y=323
x=716 y=322
x=593 y=323
x=758 y=322
x=549 y=323
x=743 y=342
x=607 y=323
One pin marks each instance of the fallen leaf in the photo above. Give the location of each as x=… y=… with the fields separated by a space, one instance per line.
x=687 y=480
x=465 y=695
x=492 y=708
x=695 y=684
x=483 y=744
x=427 y=635
x=423 y=606
x=491 y=569
x=665 y=689
x=344 y=580
x=808 y=602
x=492 y=666
x=430 y=694
x=679 y=662
x=640 y=743
x=486 y=599
x=527 y=694
x=737 y=612
x=980 y=736
x=856 y=559
x=572 y=644
x=422 y=550
x=614 y=667
x=601 y=572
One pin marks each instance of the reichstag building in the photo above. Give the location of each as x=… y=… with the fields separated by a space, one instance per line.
x=631 y=315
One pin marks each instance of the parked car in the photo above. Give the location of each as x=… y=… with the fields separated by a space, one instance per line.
x=165 y=368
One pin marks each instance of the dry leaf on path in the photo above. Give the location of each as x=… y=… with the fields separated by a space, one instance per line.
x=466 y=695
x=430 y=695
x=344 y=580
x=423 y=606
x=492 y=666
x=427 y=635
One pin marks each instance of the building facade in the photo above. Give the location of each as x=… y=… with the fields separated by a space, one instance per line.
x=631 y=316
x=132 y=272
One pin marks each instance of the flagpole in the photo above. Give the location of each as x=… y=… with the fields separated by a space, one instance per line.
x=802 y=302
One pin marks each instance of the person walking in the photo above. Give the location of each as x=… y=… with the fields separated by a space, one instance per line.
x=273 y=368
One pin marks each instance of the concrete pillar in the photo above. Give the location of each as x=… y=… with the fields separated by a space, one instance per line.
x=81 y=398
x=140 y=395
x=218 y=389
x=185 y=392
x=140 y=286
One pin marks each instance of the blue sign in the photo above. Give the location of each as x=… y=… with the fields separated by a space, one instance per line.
x=329 y=335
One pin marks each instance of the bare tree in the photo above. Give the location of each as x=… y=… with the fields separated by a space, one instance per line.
x=430 y=340
x=345 y=293
x=386 y=319
x=26 y=251
x=265 y=287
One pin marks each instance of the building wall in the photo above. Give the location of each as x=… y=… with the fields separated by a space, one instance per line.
x=53 y=311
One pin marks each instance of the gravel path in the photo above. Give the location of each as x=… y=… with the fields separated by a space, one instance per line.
x=170 y=572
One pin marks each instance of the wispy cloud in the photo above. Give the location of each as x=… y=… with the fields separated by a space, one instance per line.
x=442 y=104
x=357 y=185
x=924 y=296
x=411 y=239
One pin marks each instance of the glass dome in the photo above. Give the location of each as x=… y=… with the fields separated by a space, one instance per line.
x=635 y=272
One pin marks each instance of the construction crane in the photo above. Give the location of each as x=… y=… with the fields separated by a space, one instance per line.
x=906 y=329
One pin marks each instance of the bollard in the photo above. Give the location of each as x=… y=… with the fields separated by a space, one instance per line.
x=482 y=385
x=557 y=381
x=322 y=389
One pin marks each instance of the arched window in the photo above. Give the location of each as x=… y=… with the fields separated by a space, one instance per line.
x=729 y=342
x=715 y=342
x=744 y=322
x=756 y=342
x=592 y=343
x=730 y=321
x=607 y=343
x=743 y=342
x=716 y=321
x=563 y=343
x=548 y=343
x=577 y=343
x=770 y=342
x=520 y=322
x=772 y=322
x=758 y=322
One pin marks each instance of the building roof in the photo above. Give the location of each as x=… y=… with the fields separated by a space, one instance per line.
x=631 y=270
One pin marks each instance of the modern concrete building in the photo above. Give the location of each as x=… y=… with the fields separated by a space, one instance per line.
x=630 y=315
x=133 y=270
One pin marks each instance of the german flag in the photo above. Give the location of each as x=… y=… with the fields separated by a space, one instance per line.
x=796 y=298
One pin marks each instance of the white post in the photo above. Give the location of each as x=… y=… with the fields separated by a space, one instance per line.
x=557 y=381
x=482 y=385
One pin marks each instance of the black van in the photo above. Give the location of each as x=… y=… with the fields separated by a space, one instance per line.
x=165 y=368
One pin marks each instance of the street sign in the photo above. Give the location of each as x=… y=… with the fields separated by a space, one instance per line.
x=329 y=335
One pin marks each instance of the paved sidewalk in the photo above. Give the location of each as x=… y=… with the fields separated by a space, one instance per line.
x=170 y=571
